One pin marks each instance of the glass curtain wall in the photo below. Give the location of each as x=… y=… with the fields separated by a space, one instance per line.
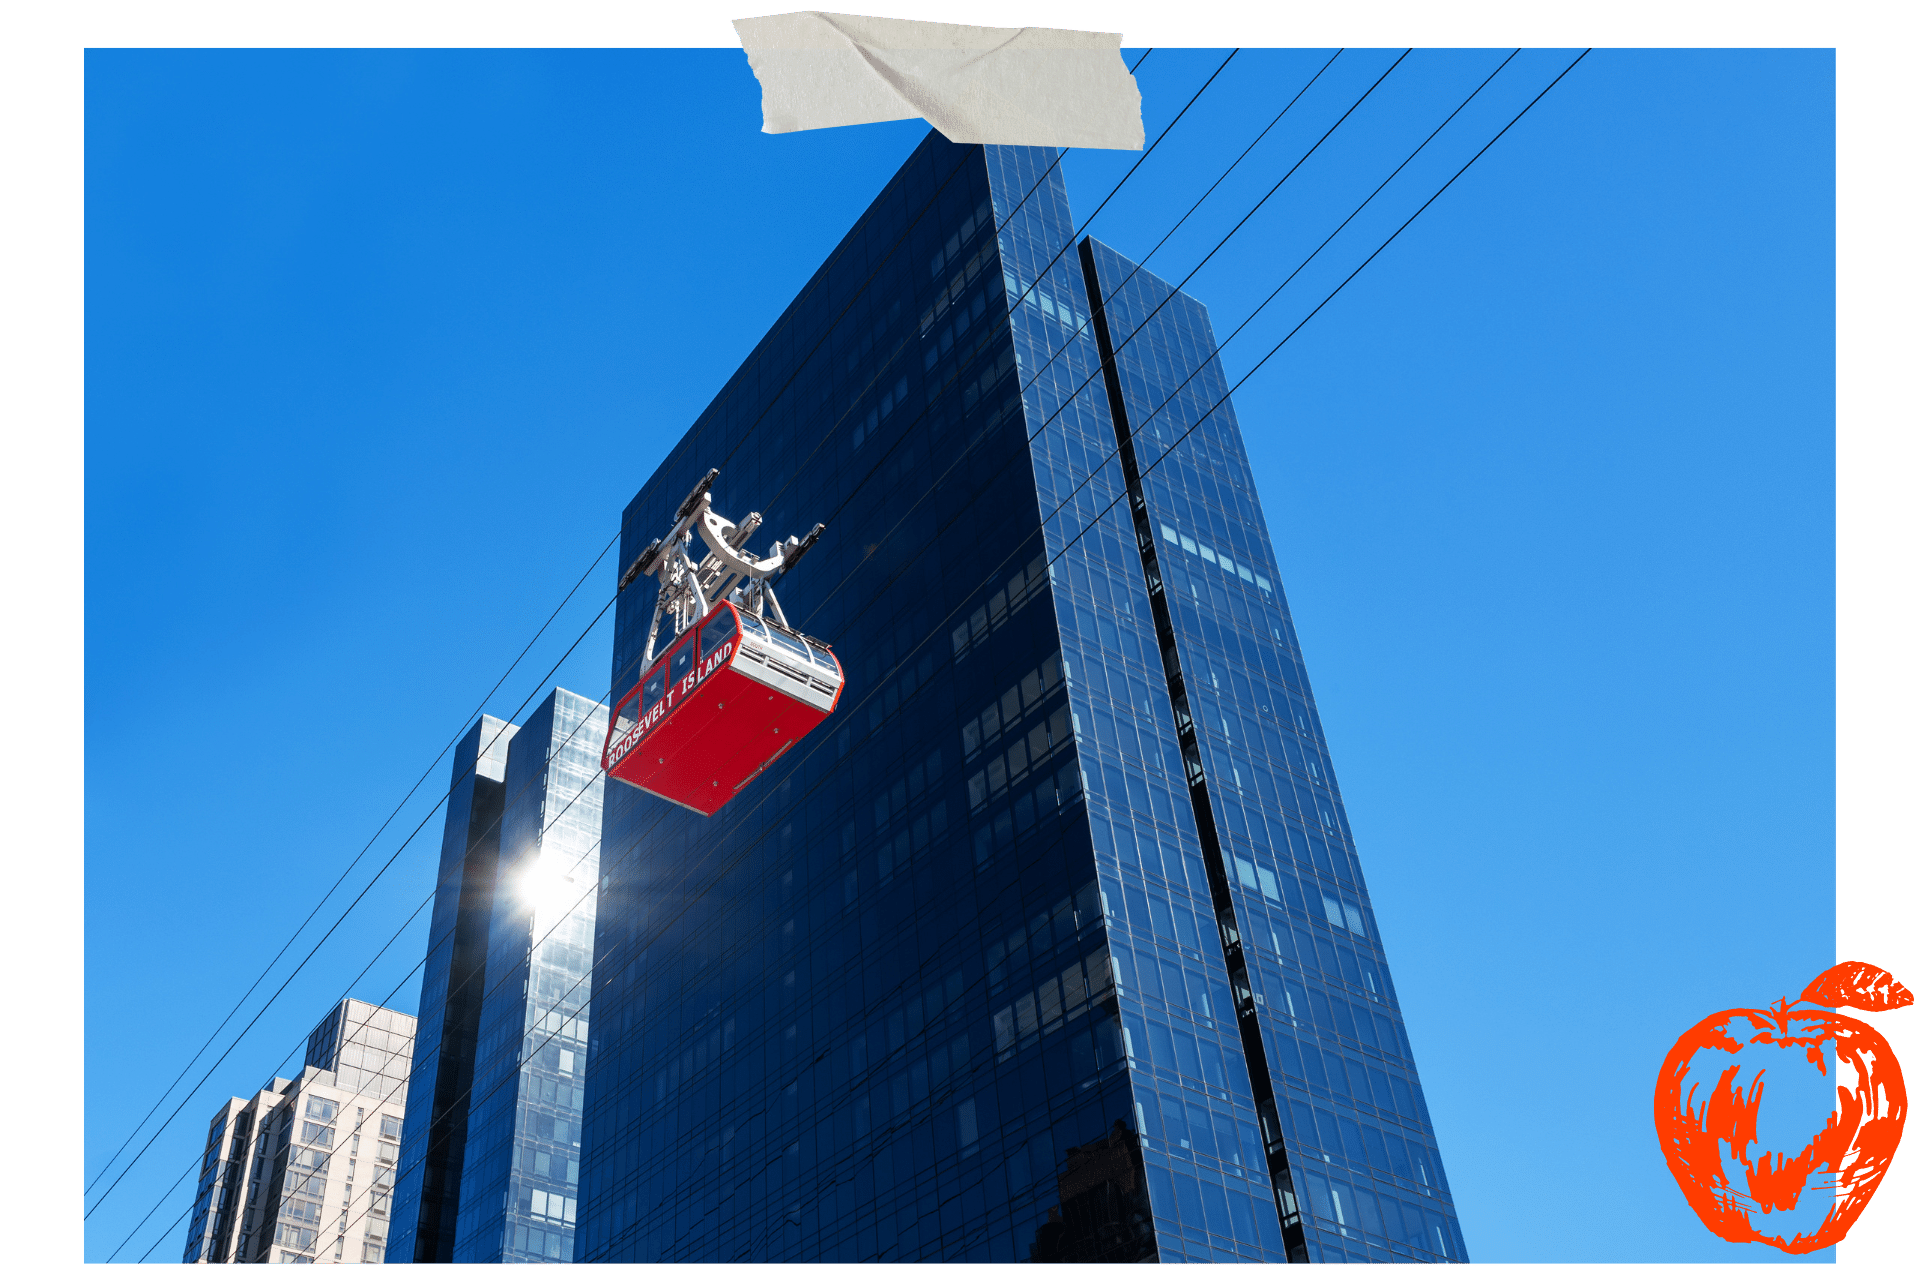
x=519 y=1195
x=1192 y=1101
x=433 y=1144
x=1328 y=1049
x=865 y=1011
x=963 y=976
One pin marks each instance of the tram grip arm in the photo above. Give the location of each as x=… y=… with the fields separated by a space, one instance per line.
x=641 y=564
x=801 y=548
x=693 y=498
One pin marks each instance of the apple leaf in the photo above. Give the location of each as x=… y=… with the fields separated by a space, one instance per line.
x=1856 y=986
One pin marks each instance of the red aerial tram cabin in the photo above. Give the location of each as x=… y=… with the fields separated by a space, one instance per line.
x=730 y=698
x=736 y=686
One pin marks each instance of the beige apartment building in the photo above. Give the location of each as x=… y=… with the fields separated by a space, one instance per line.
x=303 y=1171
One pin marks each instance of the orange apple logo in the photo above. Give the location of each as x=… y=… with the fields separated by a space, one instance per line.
x=1779 y=1123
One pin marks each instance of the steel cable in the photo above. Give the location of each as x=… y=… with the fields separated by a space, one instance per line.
x=1195 y=426
x=726 y=394
x=722 y=872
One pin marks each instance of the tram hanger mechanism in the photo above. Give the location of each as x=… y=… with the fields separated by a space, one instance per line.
x=733 y=686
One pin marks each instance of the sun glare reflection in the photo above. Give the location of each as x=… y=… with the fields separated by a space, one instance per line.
x=551 y=888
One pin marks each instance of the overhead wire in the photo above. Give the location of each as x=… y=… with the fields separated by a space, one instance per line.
x=726 y=394
x=331 y=930
x=1221 y=243
x=879 y=685
x=408 y=976
x=335 y=926
x=1335 y=292
x=291 y=938
x=708 y=417
x=1094 y=372
x=1225 y=397
x=1091 y=524
x=1139 y=329
x=1030 y=192
x=884 y=368
x=985 y=343
x=1033 y=190
x=1198 y=422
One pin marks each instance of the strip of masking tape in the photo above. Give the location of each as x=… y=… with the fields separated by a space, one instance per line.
x=1016 y=86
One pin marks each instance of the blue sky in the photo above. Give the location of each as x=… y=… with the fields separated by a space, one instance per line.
x=378 y=344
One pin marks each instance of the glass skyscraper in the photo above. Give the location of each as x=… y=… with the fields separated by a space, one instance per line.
x=426 y=1203
x=1051 y=942
x=490 y=1175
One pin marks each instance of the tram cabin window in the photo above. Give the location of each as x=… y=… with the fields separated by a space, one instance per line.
x=718 y=631
x=682 y=661
x=791 y=643
x=656 y=685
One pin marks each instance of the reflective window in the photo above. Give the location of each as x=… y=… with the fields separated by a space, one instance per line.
x=718 y=630
x=536 y=955
x=791 y=643
x=1320 y=991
